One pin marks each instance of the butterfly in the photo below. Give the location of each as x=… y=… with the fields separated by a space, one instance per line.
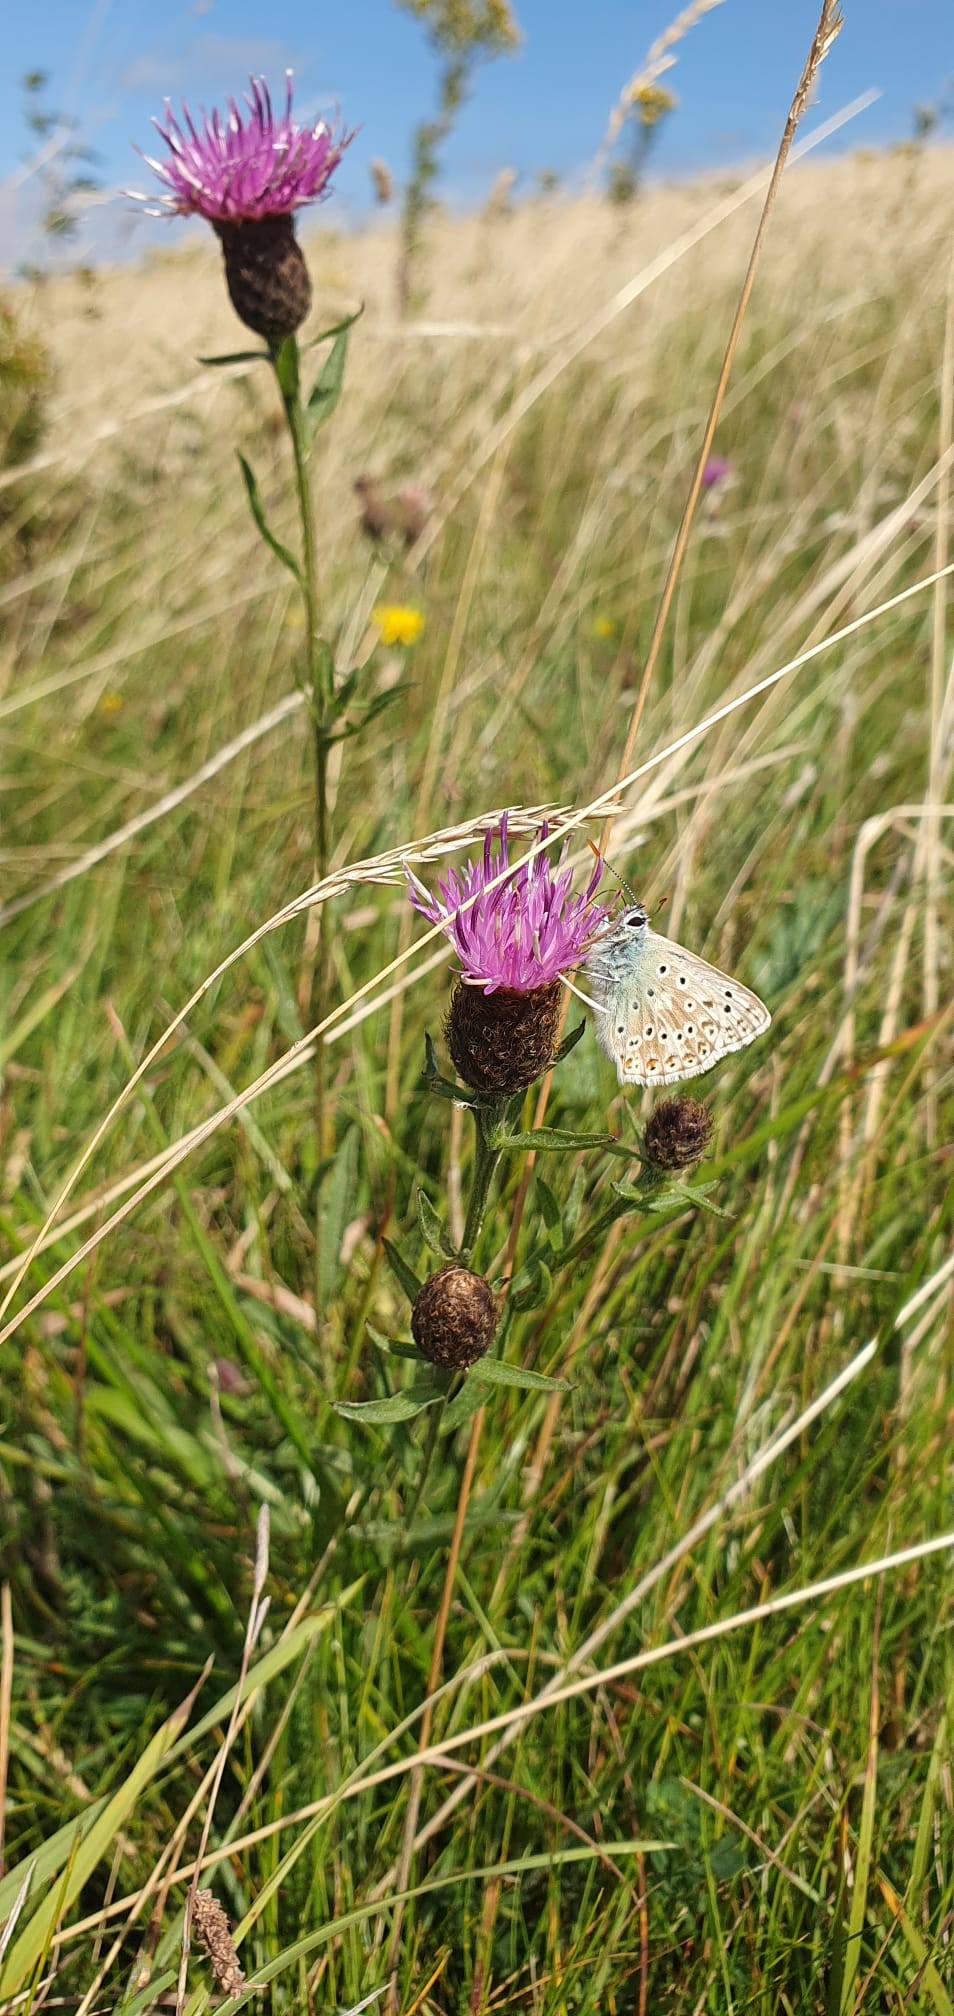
x=662 y=1013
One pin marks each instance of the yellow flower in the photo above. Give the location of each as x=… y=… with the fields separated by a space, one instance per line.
x=603 y=626
x=652 y=102
x=110 y=703
x=396 y=623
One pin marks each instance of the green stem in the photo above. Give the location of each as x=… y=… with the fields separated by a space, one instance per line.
x=319 y=691
x=486 y=1158
x=435 y=1418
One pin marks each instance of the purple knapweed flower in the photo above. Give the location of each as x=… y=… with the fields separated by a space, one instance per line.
x=715 y=471
x=525 y=933
x=233 y=170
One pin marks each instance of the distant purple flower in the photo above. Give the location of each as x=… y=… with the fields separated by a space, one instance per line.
x=233 y=172
x=716 y=470
x=525 y=933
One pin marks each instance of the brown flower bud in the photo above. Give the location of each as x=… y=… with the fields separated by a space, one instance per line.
x=678 y=1132
x=266 y=273
x=454 y=1318
x=501 y=1042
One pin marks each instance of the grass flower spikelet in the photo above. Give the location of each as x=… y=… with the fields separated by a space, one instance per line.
x=523 y=934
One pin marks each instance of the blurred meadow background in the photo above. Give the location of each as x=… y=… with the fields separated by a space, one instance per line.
x=759 y=1394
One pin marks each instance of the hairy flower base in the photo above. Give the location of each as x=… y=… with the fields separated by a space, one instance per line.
x=267 y=277
x=501 y=1042
x=454 y=1318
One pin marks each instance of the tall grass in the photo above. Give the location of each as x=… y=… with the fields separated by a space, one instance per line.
x=758 y=1818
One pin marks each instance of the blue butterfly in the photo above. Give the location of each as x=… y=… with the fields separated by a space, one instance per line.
x=662 y=1013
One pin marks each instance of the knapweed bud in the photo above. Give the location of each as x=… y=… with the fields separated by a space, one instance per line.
x=516 y=931
x=267 y=278
x=454 y=1318
x=678 y=1132
x=246 y=172
x=501 y=1042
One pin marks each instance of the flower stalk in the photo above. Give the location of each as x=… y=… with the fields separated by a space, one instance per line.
x=247 y=174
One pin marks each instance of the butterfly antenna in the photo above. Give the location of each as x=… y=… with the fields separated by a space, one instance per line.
x=613 y=871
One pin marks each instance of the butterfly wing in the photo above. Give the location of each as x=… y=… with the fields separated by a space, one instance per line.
x=667 y=1014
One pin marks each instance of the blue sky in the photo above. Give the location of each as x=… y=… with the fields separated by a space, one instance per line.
x=111 y=62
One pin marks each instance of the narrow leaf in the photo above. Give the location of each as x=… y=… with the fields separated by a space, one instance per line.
x=392 y=1346
x=326 y=390
x=531 y=1287
x=325 y=335
x=680 y=1195
x=401 y=1271
x=920 y=1952
x=433 y=1232
x=463 y=1406
x=442 y=1088
x=287 y=371
x=552 y=1139
x=258 y=513
x=569 y=1043
x=493 y=1372
x=91 y=1846
x=399 y=1407
x=550 y=1213
x=238 y=357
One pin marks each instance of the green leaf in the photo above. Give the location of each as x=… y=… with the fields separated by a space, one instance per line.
x=399 y=1407
x=531 y=1286
x=92 y=1844
x=359 y=722
x=549 y=1140
x=401 y=1271
x=463 y=1406
x=392 y=1346
x=569 y=1043
x=679 y=1196
x=285 y=360
x=238 y=357
x=574 y=1203
x=326 y=390
x=443 y=1088
x=433 y=1231
x=344 y=693
x=325 y=335
x=336 y=1204
x=258 y=513
x=550 y=1213
x=493 y=1372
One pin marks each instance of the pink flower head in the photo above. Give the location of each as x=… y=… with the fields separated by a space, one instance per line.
x=716 y=470
x=525 y=933
x=233 y=172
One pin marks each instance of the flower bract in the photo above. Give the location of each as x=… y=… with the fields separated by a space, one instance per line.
x=523 y=934
x=242 y=166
